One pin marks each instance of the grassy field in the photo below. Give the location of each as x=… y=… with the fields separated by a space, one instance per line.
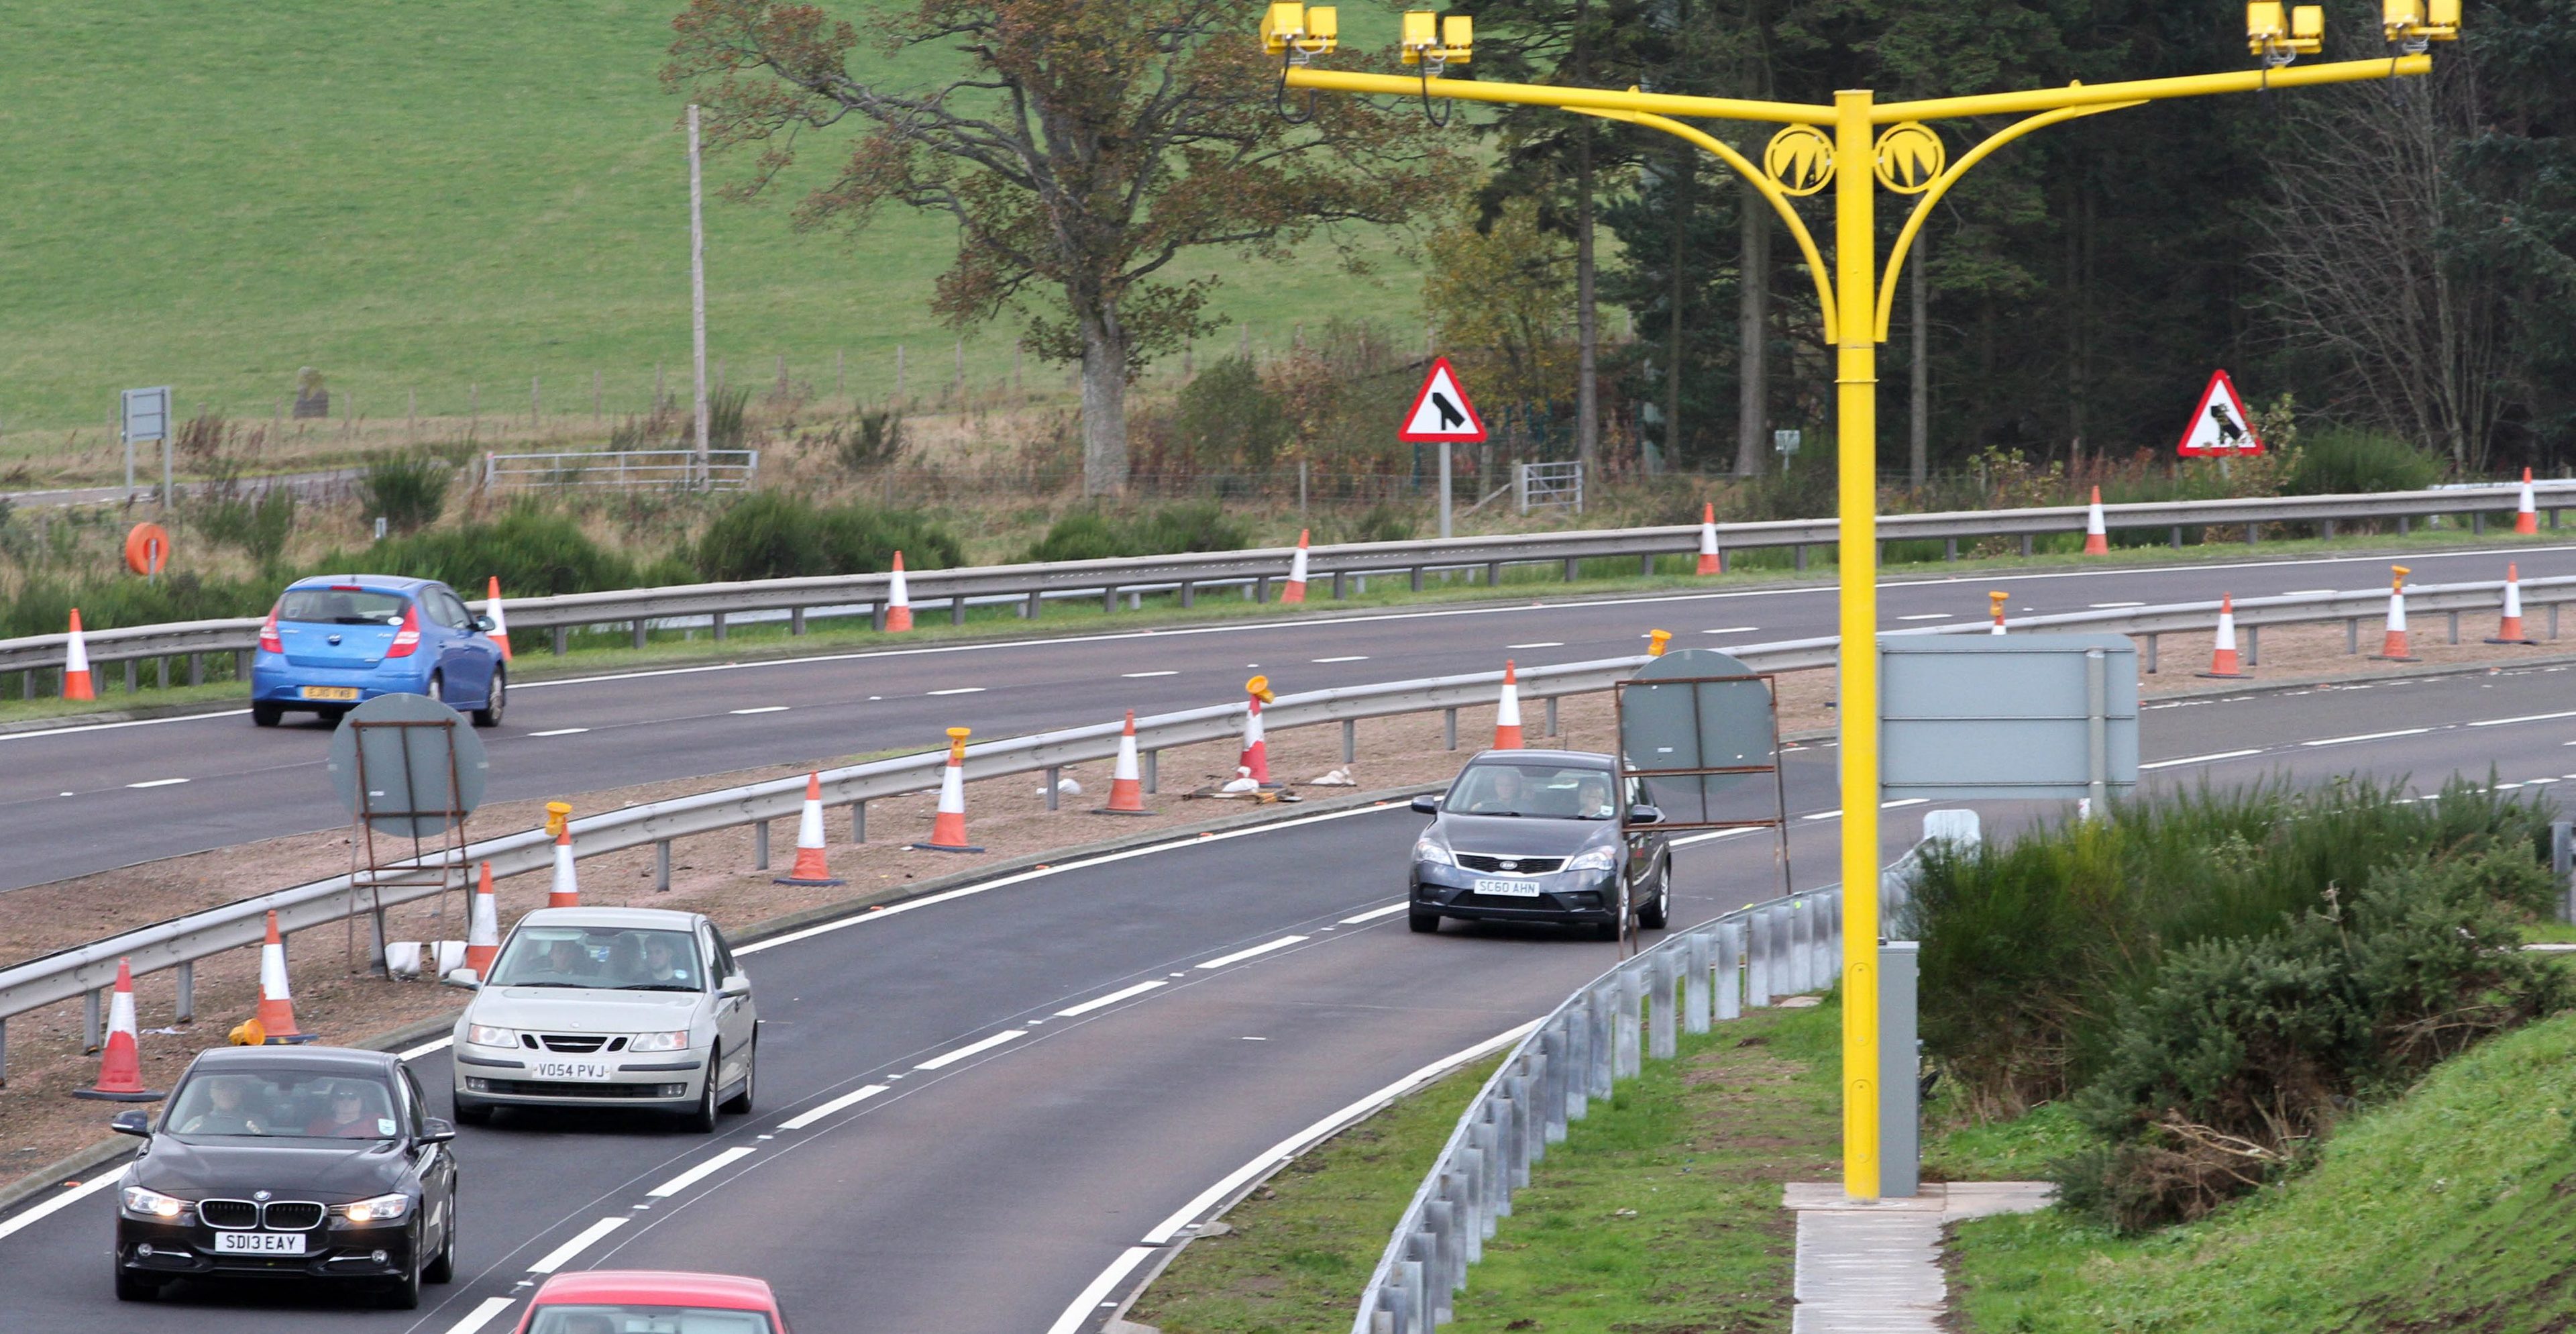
x=419 y=198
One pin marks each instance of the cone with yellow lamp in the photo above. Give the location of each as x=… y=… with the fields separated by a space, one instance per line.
x=1657 y=641
x=810 y=868
x=2393 y=648
x=1255 y=760
x=1997 y=599
x=120 y=1066
x=566 y=889
x=948 y=828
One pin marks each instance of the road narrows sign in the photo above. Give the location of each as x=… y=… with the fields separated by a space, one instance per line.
x=1441 y=410
x=2220 y=427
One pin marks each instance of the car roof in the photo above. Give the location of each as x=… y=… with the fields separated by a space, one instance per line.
x=1585 y=758
x=665 y=918
x=669 y=1287
x=388 y=583
x=316 y=1060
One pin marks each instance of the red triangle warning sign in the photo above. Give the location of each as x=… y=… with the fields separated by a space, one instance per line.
x=2219 y=427
x=1441 y=410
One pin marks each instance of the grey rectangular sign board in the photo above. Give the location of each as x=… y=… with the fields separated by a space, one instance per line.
x=2037 y=716
x=147 y=414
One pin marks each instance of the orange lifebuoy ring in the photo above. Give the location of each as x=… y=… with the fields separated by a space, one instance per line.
x=147 y=549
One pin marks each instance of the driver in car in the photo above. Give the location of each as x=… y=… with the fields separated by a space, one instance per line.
x=1502 y=796
x=227 y=1112
x=348 y=1117
x=662 y=964
x=566 y=958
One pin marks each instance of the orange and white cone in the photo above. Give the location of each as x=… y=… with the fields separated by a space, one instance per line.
x=1507 y=714
x=2510 y=631
x=2394 y=648
x=1296 y=573
x=2526 y=519
x=566 y=890
x=1710 y=561
x=276 y=1013
x=898 y=602
x=1998 y=599
x=1127 y=781
x=948 y=828
x=483 y=928
x=500 y=623
x=1255 y=759
x=1657 y=641
x=120 y=1067
x=2223 y=663
x=2097 y=539
x=810 y=868
x=76 y=682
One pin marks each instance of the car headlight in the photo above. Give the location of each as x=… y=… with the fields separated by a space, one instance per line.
x=660 y=1041
x=1429 y=849
x=485 y=1035
x=141 y=1201
x=381 y=1209
x=1594 y=859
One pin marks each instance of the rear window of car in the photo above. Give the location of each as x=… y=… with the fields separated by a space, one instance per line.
x=587 y=1318
x=341 y=606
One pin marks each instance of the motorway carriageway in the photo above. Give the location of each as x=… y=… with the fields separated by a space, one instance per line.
x=984 y=1112
x=90 y=798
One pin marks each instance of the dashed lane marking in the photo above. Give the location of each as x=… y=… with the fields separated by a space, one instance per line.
x=1124 y=993
x=840 y=1104
x=587 y=1238
x=1256 y=951
x=700 y=1172
x=972 y=1049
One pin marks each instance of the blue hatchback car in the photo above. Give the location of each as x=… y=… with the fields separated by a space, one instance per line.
x=335 y=641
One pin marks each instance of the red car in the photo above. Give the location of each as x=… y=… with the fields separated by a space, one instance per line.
x=629 y=1301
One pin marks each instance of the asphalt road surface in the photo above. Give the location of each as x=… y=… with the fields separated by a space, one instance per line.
x=85 y=799
x=995 y=1192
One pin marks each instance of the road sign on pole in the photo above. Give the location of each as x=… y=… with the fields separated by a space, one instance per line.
x=146 y=416
x=2220 y=427
x=1441 y=413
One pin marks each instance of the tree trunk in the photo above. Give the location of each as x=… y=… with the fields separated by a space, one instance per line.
x=1104 y=406
x=1918 y=426
x=1752 y=336
x=1683 y=169
x=1587 y=322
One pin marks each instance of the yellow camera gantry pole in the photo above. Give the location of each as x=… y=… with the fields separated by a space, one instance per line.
x=1835 y=145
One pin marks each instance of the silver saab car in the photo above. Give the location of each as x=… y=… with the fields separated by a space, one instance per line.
x=610 y=1007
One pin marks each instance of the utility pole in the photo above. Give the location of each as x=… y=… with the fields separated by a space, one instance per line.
x=698 y=293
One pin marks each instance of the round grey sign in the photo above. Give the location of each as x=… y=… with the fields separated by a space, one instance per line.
x=422 y=763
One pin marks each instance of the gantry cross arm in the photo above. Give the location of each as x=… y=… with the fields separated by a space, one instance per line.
x=1565 y=99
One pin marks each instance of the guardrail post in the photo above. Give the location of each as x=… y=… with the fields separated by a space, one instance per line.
x=1350 y=740
x=1109 y=599
x=196 y=669
x=795 y=620
x=1190 y=592
x=2553 y=612
x=1030 y=613
x=2177 y=537
x=2328 y=533
x=719 y=620
x=1629 y=1045
x=1440 y=1221
x=1472 y=1225
x=1578 y=1062
x=241 y=664
x=877 y=616
x=957 y=610
x=89 y=1020
x=1151 y=768
x=1417 y=578
x=760 y=845
x=661 y=866
x=1552 y=1044
x=639 y=632
x=2025 y=544
x=1646 y=565
x=858 y=822
x=1757 y=958
x=1449 y=727
x=1051 y=780
x=1551 y=700
x=1493 y=574
x=2253 y=533
x=1339 y=578
x=2352 y=634
x=1261 y=590
x=562 y=639
x=2455 y=627
x=1834 y=938
x=1949 y=548
x=1488 y=1133
x=1696 y=951
x=131 y=663
x=1661 y=1038
x=1798 y=557
x=2478 y=522
x=186 y=1010
x=1409 y=1294
x=1730 y=972
x=1573 y=569
x=2152 y=644
x=1602 y=1071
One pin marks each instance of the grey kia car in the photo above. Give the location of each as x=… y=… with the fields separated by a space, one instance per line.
x=1535 y=836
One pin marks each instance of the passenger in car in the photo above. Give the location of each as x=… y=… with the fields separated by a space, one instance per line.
x=348 y=1118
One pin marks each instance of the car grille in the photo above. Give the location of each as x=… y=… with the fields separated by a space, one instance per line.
x=1477 y=861
x=235 y=1214
x=580 y=1042
x=540 y=1088
x=293 y=1216
x=278 y=1216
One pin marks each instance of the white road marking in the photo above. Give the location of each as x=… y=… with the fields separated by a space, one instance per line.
x=1139 y=676
x=69 y=1197
x=2367 y=736
x=588 y=1237
x=701 y=1172
x=840 y=1104
x=972 y=1049
x=1710 y=837
x=765 y=708
x=1087 y=1305
x=1902 y=801
x=2526 y=718
x=1348 y=657
x=561 y=731
x=2110 y=606
x=1732 y=630
x=1240 y=955
x=158 y=782
x=1926 y=616
x=957 y=690
x=481 y=1315
x=426 y=1048
x=1102 y=1002
x=1834 y=814
x=1373 y=914
x=2309 y=592
x=2211 y=758
x=134 y=722
x=1543 y=643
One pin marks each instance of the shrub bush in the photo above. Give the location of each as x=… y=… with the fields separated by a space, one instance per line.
x=44 y=605
x=1226 y=420
x=408 y=493
x=775 y=535
x=2349 y=461
x=1088 y=534
x=534 y=553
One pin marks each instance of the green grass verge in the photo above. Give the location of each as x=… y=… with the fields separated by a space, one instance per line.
x=2445 y=1210
x=1660 y=1212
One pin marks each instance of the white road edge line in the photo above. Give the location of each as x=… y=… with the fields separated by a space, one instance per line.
x=1541 y=643
x=1240 y=955
x=1089 y=1302
x=2367 y=736
x=1139 y=676
x=1373 y=914
x=700 y=1172
x=561 y=731
x=2211 y=758
x=840 y=1104
x=1102 y=1002
x=768 y=708
x=157 y=782
x=1733 y=630
x=2526 y=718
x=481 y=1315
x=68 y=1198
x=1710 y=837
x=949 y=1058
x=956 y=690
x=589 y=1236
x=425 y=1049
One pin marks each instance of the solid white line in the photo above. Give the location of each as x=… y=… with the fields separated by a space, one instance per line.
x=700 y=1172
x=1373 y=914
x=957 y=690
x=1088 y=1303
x=1240 y=955
x=426 y=1048
x=1710 y=837
x=1544 y=643
x=589 y=1236
x=768 y=708
x=1351 y=657
x=1834 y=814
x=157 y=782
x=1139 y=676
x=68 y=1198
x=2211 y=758
x=2367 y=736
x=1902 y=801
x=1926 y=616
x=2526 y=718
x=561 y=731
x=1732 y=630
x=2309 y=592
x=1101 y=1002
x=481 y=1315
x=2113 y=606
x=131 y=722
x=840 y=1104
x=972 y=1049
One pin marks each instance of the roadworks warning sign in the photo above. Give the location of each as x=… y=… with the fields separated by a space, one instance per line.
x=2219 y=427
x=1441 y=410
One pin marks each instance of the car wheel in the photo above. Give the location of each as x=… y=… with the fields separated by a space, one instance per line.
x=1658 y=907
x=473 y=1113
x=1422 y=922
x=702 y=1118
x=266 y=715
x=133 y=1287
x=443 y=1269
x=437 y=687
x=490 y=714
x=404 y=1293
x=740 y=1105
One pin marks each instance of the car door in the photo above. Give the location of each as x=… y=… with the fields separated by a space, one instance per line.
x=736 y=1020
x=435 y=1165
x=464 y=657
x=1643 y=844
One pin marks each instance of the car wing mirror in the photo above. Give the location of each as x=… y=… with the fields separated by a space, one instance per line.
x=484 y=624
x=435 y=1130
x=463 y=977
x=132 y=1121
x=1645 y=815
x=1428 y=803
x=736 y=985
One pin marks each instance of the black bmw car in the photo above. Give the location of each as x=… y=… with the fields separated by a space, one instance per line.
x=285 y=1162
x=1535 y=836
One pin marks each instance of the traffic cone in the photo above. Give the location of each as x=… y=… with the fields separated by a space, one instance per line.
x=1657 y=641
x=2097 y=540
x=1127 y=781
x=898 y=601
x=1710 y=561
x=566 y=891
x=483 y=928
x=2526 y=520
x=1998 y=598
x=810 y=868
x=1507 y=714
x=276 y=1013
x=2222 y=661
x=948 y=829
x=120 y=1067
x=2393 y=648
x=1256 y=751
x=1296 y=573
x=500 y=623
x=2510 y=631
x=76 y=682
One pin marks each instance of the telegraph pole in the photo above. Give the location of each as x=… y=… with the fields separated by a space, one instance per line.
x=698 y=295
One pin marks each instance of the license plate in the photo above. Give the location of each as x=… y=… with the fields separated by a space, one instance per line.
x=259 y=1243
x=582 y=1070
x=1508 y=889
x=330 y=692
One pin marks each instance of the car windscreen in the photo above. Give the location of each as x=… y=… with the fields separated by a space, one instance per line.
x=341 y=606
x=1542 y=791
x=601 y=958
x=283 y=1104
x=623 y=1318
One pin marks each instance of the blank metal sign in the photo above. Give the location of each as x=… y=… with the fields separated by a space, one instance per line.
x=2044 y=715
